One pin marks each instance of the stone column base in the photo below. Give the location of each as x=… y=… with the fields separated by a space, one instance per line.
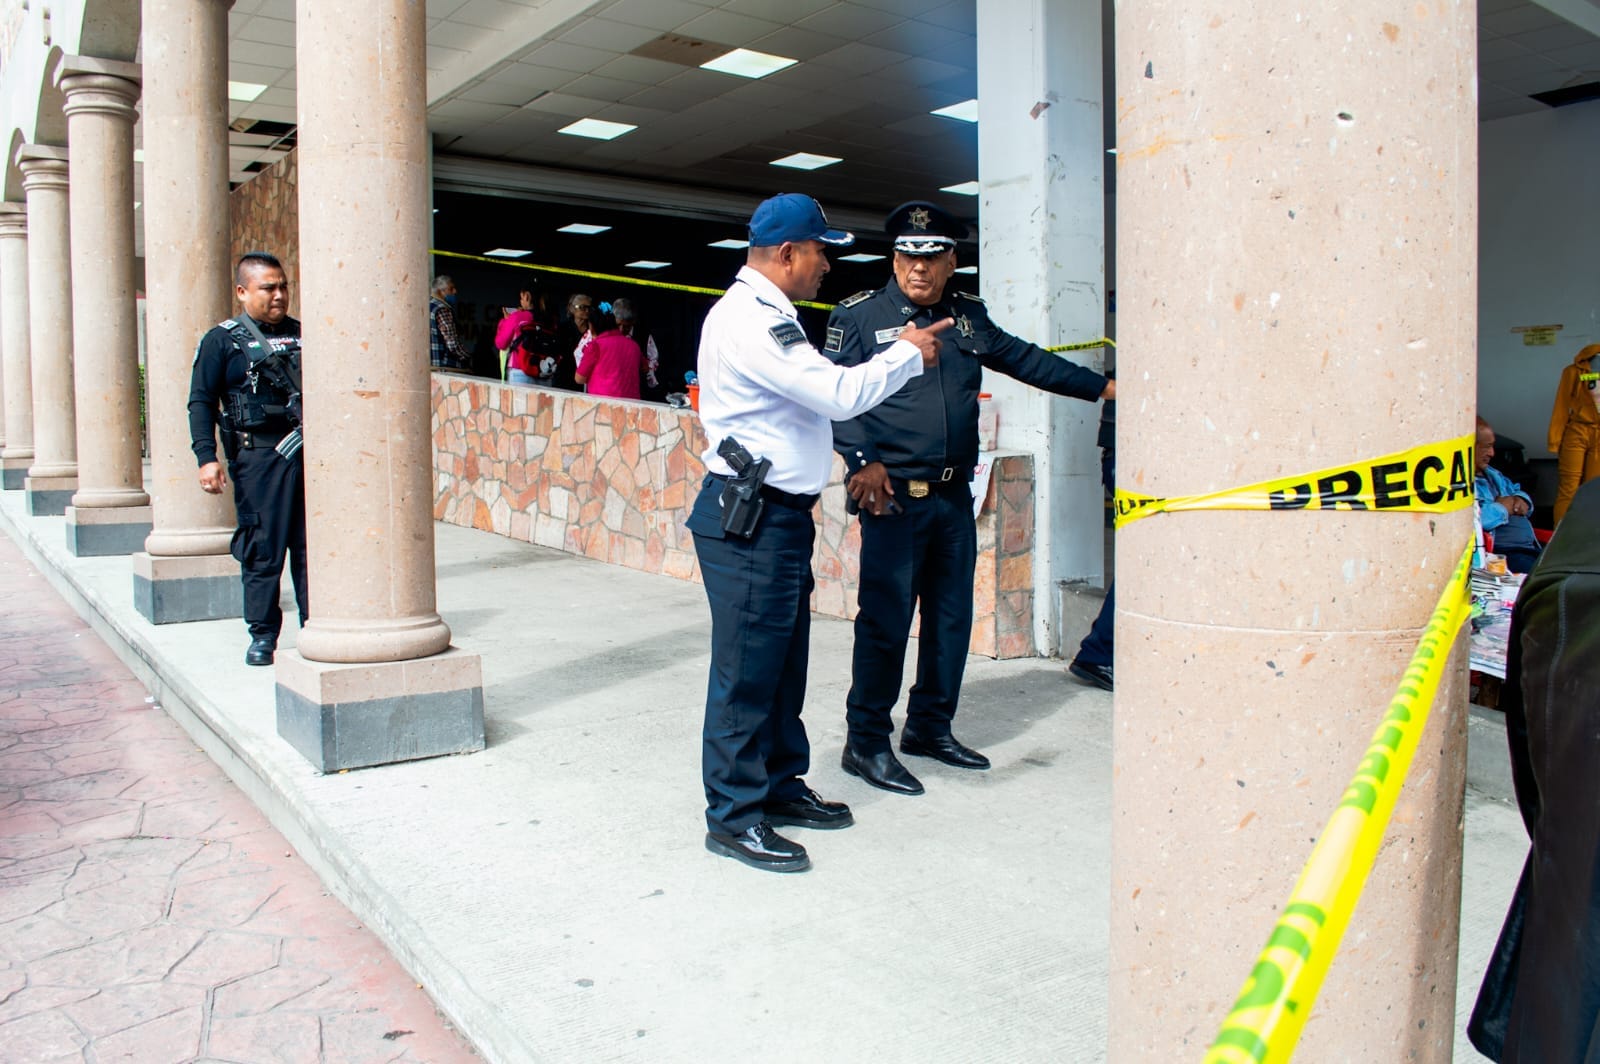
x=175 y=590
x=103 y=531
x=13 y=472
x=354 y=716
x=49 y=496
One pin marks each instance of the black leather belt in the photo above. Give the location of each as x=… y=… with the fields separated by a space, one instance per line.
x=948 y=482
x=250 y=441
x=788 y=499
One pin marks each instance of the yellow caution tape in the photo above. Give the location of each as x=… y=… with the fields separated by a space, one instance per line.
x=1436 y=478
x=1276 y=1000
x=691 y=289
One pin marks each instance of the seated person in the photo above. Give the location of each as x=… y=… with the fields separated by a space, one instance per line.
x=611 y=362
x=1503 y=507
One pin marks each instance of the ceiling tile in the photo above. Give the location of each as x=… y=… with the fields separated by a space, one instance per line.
x=609 y=36
x=1524 y=19
x=1583 y=57
x=565 y=56
x=916 y=38
x=637 y=68
x=255 y=75
x=458 y=35
x=598 y=88
x=1495 y=49
x=1503 y=70
x=268 y=31
x=283 y=9
x=797 y=43
x=961 y=16
x=562 y=104
x=857 y=58
x=724 y=27
x=466 y=109
x=656 y=14
x=903 y=8
x=443 y=8
x=780 y=11
x=489 y=14
x=1490 y=112
x=1556 y=37
x=442 y=57
x=849 y=21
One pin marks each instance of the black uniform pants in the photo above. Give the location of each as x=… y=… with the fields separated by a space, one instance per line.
x=926 y=554
x=754 y=746
x=269 y=495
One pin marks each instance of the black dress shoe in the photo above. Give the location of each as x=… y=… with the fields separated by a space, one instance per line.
x=260 y=652
x=944 y=748
x=760 y=847
x=810 y=810
x=883 y=770
x=1093 y=675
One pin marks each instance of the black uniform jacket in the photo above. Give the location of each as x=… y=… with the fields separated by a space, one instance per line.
x=1540 y=1000
x=220 y=366
x=931 y=423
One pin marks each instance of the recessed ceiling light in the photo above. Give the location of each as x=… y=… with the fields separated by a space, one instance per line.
x=966 y=269
x=597 y=129
x=244 y=91
x=1111 y=151
x=744 y=63
x=860 y=256
x=804 y=160
x=135 y=204
x=729 y=243
x=646 y=264
x=583 y=229
x=966 y=188
x=506 y=253
x=965 y=111
x=138 y=155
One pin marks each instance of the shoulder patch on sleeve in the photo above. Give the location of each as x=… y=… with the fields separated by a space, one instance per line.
x=231 y=323
x=859 y=297
x=788 y=334
x=835 y=339
x=969 y=295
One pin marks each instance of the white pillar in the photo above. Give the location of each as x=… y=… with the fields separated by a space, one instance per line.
x=53 y=477
x=110 y=512
x=185 y=572
x=1041 y=158
x=374 y=678
x=18 y=453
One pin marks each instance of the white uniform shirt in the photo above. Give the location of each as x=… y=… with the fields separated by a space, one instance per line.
x=762 y=383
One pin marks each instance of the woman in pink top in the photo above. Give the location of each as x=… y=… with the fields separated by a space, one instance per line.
x=611 y=362
x=509 y=332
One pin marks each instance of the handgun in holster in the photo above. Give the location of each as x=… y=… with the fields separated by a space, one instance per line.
x=741 y=495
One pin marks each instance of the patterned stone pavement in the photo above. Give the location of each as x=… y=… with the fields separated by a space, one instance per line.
x=148 y=912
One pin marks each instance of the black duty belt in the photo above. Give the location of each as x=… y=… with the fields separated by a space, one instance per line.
x=269 y=438
x=950 y=481
x=777 y=496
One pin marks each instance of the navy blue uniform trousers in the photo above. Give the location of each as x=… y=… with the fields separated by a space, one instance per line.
x=269 y=496
x=754 y=745
x=928 y=554
x=1096 y=648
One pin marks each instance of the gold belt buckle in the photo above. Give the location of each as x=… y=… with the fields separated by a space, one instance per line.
x=917 y=489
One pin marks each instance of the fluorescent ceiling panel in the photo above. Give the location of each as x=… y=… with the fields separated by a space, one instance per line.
x=965 y=111
x=966 y=188
x=244 y=91
x=744 y=63
x=597 y=129
x=729 y=243
x=804 y=160
x=583 y=229
x=646 y=264
x=860 y=256
x=966 y=269
x=506 y=253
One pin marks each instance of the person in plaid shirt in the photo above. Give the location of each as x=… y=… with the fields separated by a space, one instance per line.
x=445 y=349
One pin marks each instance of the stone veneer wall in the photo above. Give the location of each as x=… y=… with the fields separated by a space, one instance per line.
x=614 y=480
x=266 y=217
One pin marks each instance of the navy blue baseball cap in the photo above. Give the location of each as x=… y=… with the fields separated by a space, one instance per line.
x=791 y=218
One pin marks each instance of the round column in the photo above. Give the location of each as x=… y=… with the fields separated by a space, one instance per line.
x=188 y=275
x=1296 y=272
x=364 y=216
x=18 y=453
x=55 y=441
x=100 y=114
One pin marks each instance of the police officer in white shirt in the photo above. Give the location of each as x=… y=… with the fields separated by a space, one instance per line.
x=767 y=389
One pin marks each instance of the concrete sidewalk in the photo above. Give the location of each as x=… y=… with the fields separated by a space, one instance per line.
x=553 y=894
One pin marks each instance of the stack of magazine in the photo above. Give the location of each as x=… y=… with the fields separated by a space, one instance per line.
x=1492 y=598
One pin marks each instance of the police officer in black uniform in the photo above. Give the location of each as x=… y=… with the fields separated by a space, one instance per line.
x=246 y=381
x=909 y=464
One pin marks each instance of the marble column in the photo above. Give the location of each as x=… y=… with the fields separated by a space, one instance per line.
x=1041 y=171
x=185 y=572
x=18 y=453
x=53 y=476
x=110 y=512
x=373 y=678
x=1297 y=259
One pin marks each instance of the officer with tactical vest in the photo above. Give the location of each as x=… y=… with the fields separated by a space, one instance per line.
x=246 y=382
x=909 y=465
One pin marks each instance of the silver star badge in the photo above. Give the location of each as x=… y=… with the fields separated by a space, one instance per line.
x=964 y=325
x=920 y=218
